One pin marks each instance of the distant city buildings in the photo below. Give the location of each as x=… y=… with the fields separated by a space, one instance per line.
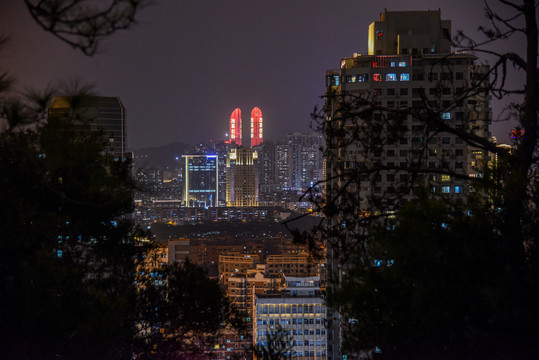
x=241 y=178
x=201 y=185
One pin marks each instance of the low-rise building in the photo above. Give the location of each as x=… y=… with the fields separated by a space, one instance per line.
x=297 y=311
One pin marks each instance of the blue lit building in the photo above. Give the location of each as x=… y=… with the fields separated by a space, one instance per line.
x=201 y=180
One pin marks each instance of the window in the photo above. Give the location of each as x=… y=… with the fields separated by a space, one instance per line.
x=446 y=76
x=390 y=177
x=459 y=189
x=446 y=115
x=446 y=178
x=404 y=91
x=403 y=141
x=403 y=178
x=390 y=92
x=459 y=152
x=418 y=91
x=377 y=77
x=377 y=91
x=405 y=77
x=391 y=77
x=446 y=189
x=402 y=63
x=403 y=153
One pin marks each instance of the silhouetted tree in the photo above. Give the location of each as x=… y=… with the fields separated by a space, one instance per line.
x=187 y=312
x=71 y=282
x=277 y=345
x=83 y=24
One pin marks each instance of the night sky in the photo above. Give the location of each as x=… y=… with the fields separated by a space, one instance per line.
x=188 y=64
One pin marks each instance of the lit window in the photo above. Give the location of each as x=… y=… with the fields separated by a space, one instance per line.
x=377 y=77
x=391 y=77
x=446 y=115
x=405 y=77
x=402 y=63
x=446 y=178
x=459 y=189
x=446 y=189
x=392 y=64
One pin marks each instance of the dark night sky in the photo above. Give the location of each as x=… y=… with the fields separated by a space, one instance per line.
x=187 y=64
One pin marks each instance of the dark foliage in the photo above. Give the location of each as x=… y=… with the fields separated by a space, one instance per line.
x=460 y=282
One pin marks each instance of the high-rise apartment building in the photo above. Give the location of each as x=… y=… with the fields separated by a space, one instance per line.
x=266 y=167
x=235 y=127
x=241 y=178
x=409 y=75
x=256 y=127
x=201 y=185
x=96 y=113
x=393 y=117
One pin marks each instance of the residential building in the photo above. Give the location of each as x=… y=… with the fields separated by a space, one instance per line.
x=393 y=115
x=236 y=264
x=243 y=287
x=300 y=264
x=298 y=311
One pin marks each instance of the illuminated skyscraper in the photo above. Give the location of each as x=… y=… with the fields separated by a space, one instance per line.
x=241 y=178
x=200 y=179
x=235 y=127
x=256 y=127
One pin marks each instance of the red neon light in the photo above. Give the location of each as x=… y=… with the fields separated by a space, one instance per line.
x=235 y=127
x=256 y=127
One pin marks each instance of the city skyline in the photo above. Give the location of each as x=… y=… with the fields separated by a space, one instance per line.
x=192 y=62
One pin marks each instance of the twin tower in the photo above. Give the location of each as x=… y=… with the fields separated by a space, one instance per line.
x=256 y=127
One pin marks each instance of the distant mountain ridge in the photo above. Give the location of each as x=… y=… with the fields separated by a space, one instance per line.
x=160 y=156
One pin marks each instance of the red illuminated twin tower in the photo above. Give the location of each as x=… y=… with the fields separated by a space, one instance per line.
x=256 y=127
